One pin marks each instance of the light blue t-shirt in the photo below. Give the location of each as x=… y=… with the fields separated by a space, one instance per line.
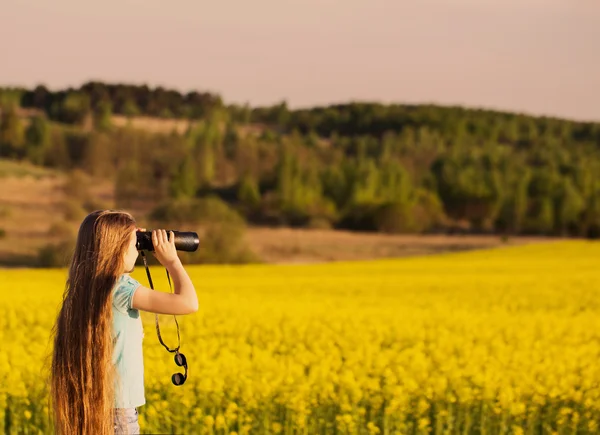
x=127 y=336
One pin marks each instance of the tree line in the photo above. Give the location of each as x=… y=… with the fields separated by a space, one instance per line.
x=363 y=166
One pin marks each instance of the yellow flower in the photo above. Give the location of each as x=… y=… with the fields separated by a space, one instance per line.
x=372 y=428
x=209 y=421
x=423 y=423
x=220 y=421
x=511 y=330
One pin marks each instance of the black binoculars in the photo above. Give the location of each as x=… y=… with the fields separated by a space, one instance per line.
x=184 y=240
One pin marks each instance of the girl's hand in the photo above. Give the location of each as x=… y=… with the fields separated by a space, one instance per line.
x=164 y=250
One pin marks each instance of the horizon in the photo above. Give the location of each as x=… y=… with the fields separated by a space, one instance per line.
x=340 y=103
x=483 y=55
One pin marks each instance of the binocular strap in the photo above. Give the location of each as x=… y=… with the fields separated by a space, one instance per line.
x=156 y=315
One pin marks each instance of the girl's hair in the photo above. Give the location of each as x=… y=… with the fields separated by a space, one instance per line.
x=82 y=375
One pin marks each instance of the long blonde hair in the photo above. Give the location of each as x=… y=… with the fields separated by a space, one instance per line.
x=82 y=375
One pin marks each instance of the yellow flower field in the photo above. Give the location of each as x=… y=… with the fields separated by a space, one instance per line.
x=492 y=342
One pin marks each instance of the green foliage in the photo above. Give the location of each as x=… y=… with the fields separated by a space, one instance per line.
x=12 y=137
x=469 y=184
x=103 y=116
x=513 y=211
x=206 y=138
x=128 y=183
x=77 y=144
x=195 y=211
x=397 y=168
x=37 y=138
x=129 y=100
x=74 y=108
x=569 y=205
x=336 y=185
x=427 y=211
x=221 y=229
x=10 y=98
x=183 y=182
x=223 y=243
x=231 y=141
x=130 y=108
x=99 y=155
x=248 y=193
x=544 y=217
x=299 y=188
x=57 y=153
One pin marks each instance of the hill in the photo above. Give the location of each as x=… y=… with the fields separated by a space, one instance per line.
x=361 y=167
x=33 y=206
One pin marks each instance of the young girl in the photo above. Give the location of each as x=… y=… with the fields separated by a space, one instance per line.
x=97 y=372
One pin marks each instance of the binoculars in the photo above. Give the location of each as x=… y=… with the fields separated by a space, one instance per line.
x=184 y=240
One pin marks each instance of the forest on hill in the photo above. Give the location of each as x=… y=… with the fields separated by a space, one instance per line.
x=360 y=166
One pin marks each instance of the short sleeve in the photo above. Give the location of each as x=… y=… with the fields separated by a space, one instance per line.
x=123 y=292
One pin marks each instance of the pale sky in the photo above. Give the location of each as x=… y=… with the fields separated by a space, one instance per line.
x=534 y=56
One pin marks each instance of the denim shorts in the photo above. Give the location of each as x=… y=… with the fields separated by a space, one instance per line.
x=130 y=424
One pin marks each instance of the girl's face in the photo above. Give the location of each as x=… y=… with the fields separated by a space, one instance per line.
x=131 y=253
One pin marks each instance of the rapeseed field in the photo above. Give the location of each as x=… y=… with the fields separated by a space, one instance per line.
x=502 y=341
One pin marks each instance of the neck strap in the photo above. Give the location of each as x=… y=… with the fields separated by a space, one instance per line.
x=156 y=315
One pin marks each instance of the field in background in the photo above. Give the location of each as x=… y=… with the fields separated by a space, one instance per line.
x=290 y=245
x=496 y=342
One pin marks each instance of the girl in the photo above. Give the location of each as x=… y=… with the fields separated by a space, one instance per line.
x=97 y=373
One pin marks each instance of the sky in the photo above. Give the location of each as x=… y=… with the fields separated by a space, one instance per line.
x=540 y=57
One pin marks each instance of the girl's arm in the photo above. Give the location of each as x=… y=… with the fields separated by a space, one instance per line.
x=184 y=300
